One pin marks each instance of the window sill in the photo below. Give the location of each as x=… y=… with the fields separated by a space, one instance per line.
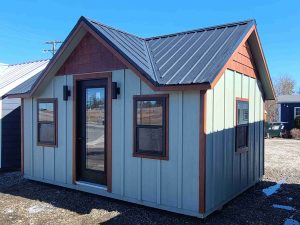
x=157 y=157
x=242 y=150
x=46 y=145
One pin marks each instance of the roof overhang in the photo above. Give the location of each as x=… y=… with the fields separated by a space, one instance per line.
x=261 y=65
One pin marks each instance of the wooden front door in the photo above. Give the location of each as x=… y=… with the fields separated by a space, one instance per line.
x=91 y=135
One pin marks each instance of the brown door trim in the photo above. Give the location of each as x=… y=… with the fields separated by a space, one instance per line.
x=108 y=76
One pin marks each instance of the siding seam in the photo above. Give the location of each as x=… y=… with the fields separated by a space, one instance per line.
x=66 y=127
x=32 y=144
x=140 y=161
x=180 y=147
x=224 y=142
x=123 y=137
x=234 y=112
x=56 y=147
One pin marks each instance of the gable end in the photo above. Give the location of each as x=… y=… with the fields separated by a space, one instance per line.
x=90 y=56
x=243 y=62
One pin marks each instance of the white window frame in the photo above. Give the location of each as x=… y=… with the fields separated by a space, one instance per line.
x=295 y=110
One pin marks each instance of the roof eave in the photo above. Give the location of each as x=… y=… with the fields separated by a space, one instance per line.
x=258 y=50
x=19 y=95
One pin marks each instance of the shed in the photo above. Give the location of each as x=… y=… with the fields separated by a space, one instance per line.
x=10 y=115
x=289 y=109
x=173 y=122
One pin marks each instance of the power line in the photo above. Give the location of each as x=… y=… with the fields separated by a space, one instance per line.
x=54 y=46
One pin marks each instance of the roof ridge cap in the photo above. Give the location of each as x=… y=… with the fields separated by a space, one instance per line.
x=203 y=29
x=28 y=62
x=112 y=28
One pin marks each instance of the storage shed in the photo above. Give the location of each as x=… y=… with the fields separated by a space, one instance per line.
x=289 y=109
x=173 y=122
x=10 y=115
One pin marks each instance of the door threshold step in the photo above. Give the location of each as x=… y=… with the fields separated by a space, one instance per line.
x=87 y=184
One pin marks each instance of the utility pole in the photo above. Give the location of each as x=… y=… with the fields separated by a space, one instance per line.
x=54 y=45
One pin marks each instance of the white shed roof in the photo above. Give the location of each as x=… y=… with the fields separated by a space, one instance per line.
x=288 y=99
x=15 y=74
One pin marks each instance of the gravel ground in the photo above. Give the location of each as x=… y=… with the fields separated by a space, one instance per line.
x=27 y=202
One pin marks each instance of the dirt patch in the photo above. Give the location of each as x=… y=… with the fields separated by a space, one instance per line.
x=27 y=202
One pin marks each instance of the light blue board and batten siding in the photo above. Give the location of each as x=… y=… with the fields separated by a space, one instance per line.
x=48 y=163
x=229 y=173
x=172 y=185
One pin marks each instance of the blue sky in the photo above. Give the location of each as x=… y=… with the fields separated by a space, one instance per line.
x=26 y=25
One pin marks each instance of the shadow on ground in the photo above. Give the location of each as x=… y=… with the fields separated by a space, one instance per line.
x=252 y=207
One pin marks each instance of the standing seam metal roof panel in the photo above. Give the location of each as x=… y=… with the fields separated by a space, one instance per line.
x=190 y=61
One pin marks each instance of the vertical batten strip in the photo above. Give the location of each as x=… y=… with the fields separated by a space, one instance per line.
x=254 y=137
x=258 y=140
x=233 y=125
x=202 y=155
x=66 y=131
x=140 y=161
x=123 y=135
x=22 y=136
x=225 y=175
x=180 y=147
x=57 y=141
x=212 y=131
x=33 y=137
x=158 y=186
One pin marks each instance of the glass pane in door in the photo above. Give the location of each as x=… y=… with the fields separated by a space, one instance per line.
x=95 y=129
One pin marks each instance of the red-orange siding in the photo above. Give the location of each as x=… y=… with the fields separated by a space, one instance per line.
x=243 y=62
x=90 y=56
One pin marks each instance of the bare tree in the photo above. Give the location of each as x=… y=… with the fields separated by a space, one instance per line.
x=272 y=110
x=284 y=85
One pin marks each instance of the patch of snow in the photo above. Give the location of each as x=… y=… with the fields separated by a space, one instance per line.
x=273 y=189
x=37 y=209
x=286 y=207
x=8 y=211
x=291 y=222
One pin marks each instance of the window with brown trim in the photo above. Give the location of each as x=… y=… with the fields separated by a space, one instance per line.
x=47 y=122
x=151 y=126
x=242 y=125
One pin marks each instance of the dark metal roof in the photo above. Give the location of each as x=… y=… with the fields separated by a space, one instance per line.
x=288 y=99
x=133 y=48
x=190 y=57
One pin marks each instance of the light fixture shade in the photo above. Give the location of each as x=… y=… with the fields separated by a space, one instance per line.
x=115 y=90
x=66 y=93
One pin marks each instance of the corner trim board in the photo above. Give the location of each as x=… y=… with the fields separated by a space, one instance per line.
x=202 y=153
x=22 y=136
